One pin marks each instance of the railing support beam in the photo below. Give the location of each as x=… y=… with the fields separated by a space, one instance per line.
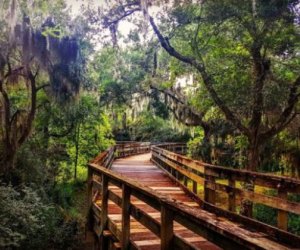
x=104 y=204
x=282 y=216
x=126 y=191
x=167 y=229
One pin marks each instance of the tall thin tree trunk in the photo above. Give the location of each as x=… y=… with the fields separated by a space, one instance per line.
x=77 y=150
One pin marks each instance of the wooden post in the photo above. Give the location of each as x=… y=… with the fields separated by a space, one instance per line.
x=126 y=191
x=282 y=216
x=180 y=177
x=90 y=198
x=195 y=187
x=185 y=181
x=104 y=210
x=167 y=229
x=247 y=203
x=231 y=195
x=177 y=175
x=104 y=204
x=209 y=189
x=106 y=239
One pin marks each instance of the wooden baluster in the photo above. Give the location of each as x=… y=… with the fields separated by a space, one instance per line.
x=181 y=178
x=126 y=191
x=177 y=175
x=185 y=180
x=195 y=187
x=231 y=195
x=209 y=188
x=282 y=216
x=104 y=210
x=167 y=228
x=104 y=202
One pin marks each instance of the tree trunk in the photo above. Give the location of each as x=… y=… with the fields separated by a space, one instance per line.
x=253 y=163
x=207 y=145
x=77 y=133
x=253 y=157
x=8 y=161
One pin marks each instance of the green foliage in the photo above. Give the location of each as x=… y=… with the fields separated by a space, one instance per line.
x=294 y=224
x=29 y=222
x=265 y=214
x=149 y=127
x=294 y=219
x=118 y=74
x=197 y=148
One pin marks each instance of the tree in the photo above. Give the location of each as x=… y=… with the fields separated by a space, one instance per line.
x=259 y=40
x=31 y=60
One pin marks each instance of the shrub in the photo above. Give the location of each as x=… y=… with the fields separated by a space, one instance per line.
x=29 y=222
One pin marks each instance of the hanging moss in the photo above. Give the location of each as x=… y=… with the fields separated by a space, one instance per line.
x=65 y=81
x=39 y=43
x=59 y=56
x=68 y=49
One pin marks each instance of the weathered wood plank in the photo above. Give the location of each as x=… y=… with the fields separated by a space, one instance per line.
x=274 y=202
x=104 y=202
x=231 y=195
x=167 y=228
x=282 y=217
x=292 y=185
x=126 y=191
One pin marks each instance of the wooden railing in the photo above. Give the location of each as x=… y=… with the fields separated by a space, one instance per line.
x=99 y=180
x=178 y=148
x=207 y=182
x=192 y=175
x=124 y=149
x=121 y=149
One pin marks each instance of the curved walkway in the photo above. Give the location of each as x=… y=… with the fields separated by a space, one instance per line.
x=140 y=169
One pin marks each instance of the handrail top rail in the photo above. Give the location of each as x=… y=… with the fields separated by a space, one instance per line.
x=101 y=155
x=136 y=143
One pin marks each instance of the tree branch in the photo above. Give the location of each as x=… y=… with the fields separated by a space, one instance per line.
x=42 y=86
x=195 y=117
x=207 y=80
x=286 y=116
x=31 y=114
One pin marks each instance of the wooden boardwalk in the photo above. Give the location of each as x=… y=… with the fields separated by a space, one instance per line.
x=140 y=169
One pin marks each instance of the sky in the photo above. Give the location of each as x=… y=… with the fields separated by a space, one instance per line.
x=76 y=6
